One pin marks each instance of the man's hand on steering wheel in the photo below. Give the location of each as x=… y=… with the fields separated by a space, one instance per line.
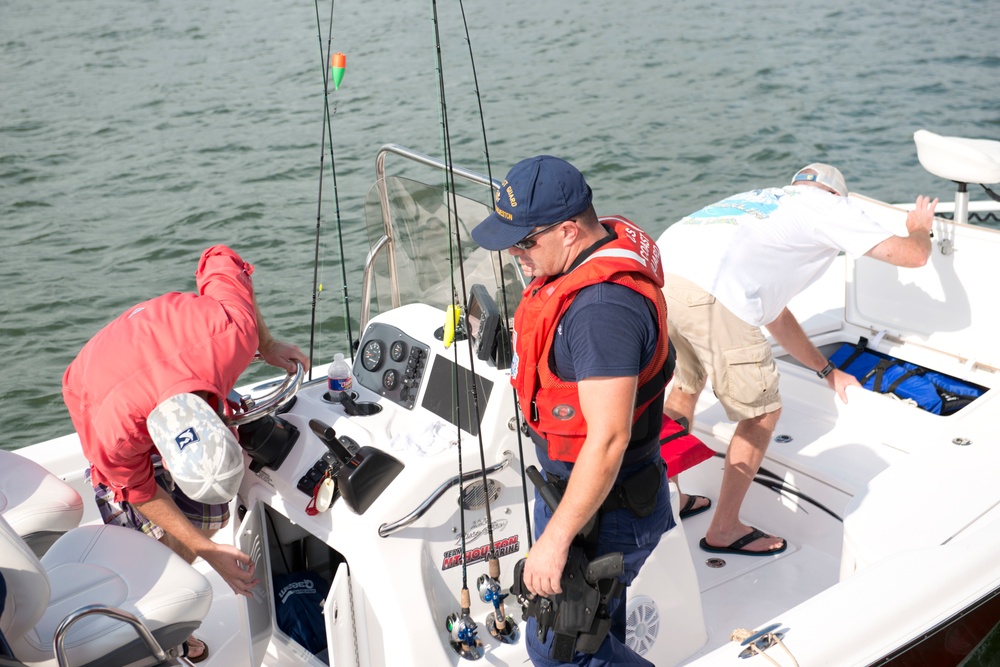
x=283 y=355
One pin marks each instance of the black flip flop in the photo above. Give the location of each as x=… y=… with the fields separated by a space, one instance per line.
x=737 y=546
x=688 y=510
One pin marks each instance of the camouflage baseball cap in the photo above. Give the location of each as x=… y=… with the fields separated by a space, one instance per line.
x=202 y=454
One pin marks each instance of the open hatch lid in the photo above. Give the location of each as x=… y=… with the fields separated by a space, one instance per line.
x=950 y=305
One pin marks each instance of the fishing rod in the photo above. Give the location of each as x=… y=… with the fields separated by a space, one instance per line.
x=506 y=338
x=335 y=73
x=500 y=625
x=461 y=627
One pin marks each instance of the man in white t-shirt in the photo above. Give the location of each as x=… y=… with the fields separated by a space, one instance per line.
x=732 y=268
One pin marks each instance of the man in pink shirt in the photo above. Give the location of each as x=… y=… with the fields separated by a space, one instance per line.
x=173 y=344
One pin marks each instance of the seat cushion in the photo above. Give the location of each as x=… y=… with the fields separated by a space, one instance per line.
x=34 y=501
x=27 y=586
x=117 y=567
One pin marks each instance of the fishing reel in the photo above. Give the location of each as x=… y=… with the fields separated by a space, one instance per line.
x=500 y=625
x=462 y=631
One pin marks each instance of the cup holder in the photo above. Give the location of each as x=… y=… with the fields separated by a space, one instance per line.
x=330 y=398
x=351 y=406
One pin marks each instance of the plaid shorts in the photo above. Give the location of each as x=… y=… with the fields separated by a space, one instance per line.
x=206 y=517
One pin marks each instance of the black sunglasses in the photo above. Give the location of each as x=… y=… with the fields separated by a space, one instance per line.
x=527 y=243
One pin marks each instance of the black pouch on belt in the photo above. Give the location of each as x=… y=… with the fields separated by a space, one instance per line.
x=639 y=491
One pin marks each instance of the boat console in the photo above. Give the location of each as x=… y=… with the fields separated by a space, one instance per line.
x=424 y=489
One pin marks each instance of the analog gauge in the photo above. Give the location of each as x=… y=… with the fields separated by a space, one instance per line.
x=398 y=350
x=371 y=356
x=390 y=379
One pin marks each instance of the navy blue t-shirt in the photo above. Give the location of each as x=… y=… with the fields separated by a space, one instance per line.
x=608 y=331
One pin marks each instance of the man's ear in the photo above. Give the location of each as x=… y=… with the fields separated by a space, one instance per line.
x=570 y=233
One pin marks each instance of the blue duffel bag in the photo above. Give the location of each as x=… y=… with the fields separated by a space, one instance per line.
x=932 y=391
x=298 y=606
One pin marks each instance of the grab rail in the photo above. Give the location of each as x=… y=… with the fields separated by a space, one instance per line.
x=97 y=609
x=387 y=529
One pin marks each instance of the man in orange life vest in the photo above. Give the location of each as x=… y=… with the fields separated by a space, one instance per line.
x=591 y=361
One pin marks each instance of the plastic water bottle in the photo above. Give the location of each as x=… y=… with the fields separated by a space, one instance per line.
x=338 y=376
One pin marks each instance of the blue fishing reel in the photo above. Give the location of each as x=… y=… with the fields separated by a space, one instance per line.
x=462 y=631
x=490 y=592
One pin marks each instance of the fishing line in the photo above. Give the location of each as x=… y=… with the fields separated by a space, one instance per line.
x=504 y=340
x=449 y=187
x=489 y=585
x=455 y=227
x=494 y=560
x=328 y=131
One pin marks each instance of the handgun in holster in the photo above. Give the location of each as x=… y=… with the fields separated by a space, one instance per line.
x=578 y=616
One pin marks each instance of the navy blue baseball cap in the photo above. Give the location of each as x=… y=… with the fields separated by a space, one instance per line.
x=538 y=191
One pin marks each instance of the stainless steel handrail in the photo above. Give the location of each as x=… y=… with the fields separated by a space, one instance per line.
x=387 y=529
x=387 y=241
x=97 y=609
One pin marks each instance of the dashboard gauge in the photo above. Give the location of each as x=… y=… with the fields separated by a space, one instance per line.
x=390 y=379
x=398 y=350
x=371 y=356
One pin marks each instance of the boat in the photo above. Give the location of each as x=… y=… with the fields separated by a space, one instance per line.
x=406 y=499
x=890 y=511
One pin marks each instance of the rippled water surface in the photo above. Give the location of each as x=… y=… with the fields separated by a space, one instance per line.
x=135 y=133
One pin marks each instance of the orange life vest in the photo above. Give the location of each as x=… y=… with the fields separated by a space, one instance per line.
x=551 y=406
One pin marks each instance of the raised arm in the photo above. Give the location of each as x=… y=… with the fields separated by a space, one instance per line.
x=914 y=250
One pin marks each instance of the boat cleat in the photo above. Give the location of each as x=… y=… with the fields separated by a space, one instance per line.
x=758 y=642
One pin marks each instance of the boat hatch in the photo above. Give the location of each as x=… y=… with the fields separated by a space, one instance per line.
x=948 y=305
x=253 y=540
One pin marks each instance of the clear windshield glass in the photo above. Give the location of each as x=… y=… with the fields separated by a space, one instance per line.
x=420 y=243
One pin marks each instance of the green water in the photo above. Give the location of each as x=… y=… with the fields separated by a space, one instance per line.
x=134 y=134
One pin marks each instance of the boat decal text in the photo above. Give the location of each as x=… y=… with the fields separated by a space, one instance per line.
x=503 y=547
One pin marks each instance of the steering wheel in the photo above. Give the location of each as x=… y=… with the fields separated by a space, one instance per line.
x=270 y=403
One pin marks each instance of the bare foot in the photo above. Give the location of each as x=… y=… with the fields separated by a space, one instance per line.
x=197 y=649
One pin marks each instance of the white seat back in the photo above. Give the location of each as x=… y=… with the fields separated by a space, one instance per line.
x=38 y=505
x=103 y=565
x=28 y=587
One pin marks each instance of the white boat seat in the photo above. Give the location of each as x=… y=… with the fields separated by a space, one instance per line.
x=958 y=159
x=38 y=505
x=98 y=564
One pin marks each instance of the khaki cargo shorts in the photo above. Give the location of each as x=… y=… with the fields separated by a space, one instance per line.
x=712 y=342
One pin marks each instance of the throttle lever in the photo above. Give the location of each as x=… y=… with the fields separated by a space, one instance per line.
x=328 y=437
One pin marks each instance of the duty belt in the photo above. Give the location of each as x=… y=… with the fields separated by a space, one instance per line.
x=637 y=492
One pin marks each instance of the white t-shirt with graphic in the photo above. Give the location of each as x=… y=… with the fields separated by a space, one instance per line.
x=756 y=250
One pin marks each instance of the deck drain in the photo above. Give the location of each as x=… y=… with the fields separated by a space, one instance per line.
x=782 y=438
x=715 y=562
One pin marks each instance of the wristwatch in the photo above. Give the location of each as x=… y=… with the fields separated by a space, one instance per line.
x=826 y=369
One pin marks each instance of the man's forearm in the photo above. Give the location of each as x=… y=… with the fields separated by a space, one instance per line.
x=789 y=334
x=162 y=511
